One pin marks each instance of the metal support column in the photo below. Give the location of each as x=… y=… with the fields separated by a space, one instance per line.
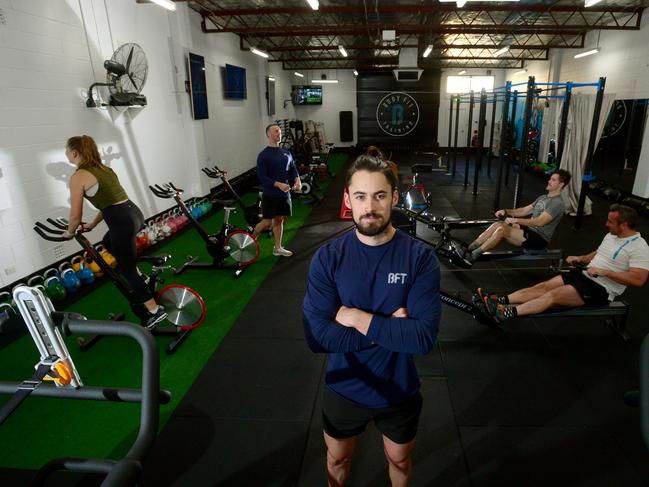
x=529 y=98
x=457 y=119
x=491 y=133
x=504 y=133
x=591 y=148
x=481 y=126
x=468 y=140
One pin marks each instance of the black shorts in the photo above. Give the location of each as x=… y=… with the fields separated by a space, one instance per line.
x=344 y=419
x=533 y=241
x=272 y=207
x=591 y=293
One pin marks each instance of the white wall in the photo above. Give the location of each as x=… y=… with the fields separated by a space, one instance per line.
x=335 y=98
x=50 y=53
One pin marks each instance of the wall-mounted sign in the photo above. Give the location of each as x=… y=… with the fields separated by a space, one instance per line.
x=397 y=114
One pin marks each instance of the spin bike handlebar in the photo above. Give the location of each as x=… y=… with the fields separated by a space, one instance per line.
x=214 y=172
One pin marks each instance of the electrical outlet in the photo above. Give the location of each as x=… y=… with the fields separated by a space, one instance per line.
x=10 y=270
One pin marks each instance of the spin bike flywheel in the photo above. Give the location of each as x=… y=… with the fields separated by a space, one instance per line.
x=185 y=308
x=243 y=247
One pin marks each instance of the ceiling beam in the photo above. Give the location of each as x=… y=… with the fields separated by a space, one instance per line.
x=410 y=9
x=404 y=29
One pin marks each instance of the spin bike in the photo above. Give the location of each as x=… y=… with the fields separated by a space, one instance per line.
x=230 y=248
x=56 y=376
x=251 y=213
x=184 y=306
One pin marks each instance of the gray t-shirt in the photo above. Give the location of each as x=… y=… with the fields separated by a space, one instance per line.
x=555 y=207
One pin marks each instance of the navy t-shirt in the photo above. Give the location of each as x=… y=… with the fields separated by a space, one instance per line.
x=276 y=164
x=376 y=370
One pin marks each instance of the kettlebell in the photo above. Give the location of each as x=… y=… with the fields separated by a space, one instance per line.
x=171 y=223
x=196 y=212
x=92 y=265
x=37 y=282
x=10 y=319
x=77 y=263
x=69 y=278
x=107 y=256
x=54 y=289
x=142 y=241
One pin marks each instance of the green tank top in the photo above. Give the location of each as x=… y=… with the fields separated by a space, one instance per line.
x=109 y=192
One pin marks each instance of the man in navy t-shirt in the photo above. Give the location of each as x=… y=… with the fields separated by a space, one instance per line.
x=277 y=173
x=372 y=301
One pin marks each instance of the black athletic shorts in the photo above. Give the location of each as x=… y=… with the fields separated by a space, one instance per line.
x=345 y=419
x=272 y=207
x=591 y=293
x=533 y=241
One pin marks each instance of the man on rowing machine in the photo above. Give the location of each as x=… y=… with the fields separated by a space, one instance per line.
x=621 y=260
x=530 y=227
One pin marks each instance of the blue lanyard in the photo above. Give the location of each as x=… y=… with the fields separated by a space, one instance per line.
x=617 y=252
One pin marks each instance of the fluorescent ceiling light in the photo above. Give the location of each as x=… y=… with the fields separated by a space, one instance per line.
x=587 y=53
x=500 y=51
x=522 y=71
x=355 y=73
x=342 y=51
x=460 y=3
x=462 y=72
x=590 y=3
x=270 y=78
x=323 y=81
x=256 y=51
x=428 y=50
x=168 y=4
x=314 y=4
x=299 y=75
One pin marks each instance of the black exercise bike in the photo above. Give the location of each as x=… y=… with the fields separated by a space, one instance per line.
x=185 y=308
x=230 y=248
x=251 y=213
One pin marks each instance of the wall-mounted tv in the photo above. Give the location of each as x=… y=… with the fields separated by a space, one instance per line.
x=235 y=82
x=307 y=95
x=197 y=86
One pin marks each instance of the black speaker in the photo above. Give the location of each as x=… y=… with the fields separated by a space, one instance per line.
x=346 y=126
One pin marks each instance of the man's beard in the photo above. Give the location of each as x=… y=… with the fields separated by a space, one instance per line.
x=373 y=229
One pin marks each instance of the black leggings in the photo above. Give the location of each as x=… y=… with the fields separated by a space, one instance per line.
x=124 y=220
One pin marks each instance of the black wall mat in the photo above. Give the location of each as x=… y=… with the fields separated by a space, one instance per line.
x=397 y=115
x=346 y=126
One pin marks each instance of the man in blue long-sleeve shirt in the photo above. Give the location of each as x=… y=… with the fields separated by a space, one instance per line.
x=372 y=301
x=277 y=173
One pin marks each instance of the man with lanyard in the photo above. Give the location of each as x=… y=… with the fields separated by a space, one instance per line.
x=372 y=301
x=277 y=173
x=533 y=233
x=621 y=260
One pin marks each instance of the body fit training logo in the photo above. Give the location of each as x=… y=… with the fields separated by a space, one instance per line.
x=397 y=277
x=397 y=114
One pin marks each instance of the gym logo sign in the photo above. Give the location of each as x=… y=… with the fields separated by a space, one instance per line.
x=397 y=114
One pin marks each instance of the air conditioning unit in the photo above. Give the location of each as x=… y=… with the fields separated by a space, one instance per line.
x=407 y=70
x=407 y=74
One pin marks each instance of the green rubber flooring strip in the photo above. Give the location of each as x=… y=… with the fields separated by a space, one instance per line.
x=43 y=429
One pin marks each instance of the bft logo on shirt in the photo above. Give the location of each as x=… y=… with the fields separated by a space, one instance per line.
x=397 y=277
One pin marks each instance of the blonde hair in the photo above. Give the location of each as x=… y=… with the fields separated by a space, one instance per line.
x=87 y=149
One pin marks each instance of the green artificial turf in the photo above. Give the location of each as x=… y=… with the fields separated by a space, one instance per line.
x=42 y=429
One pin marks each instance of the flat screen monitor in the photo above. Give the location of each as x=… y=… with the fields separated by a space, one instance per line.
x=197 y=86
x=270 y=94
x=307 y=95
x=235 y=82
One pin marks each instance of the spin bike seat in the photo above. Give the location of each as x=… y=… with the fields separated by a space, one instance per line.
x=224 y=203
x=156 y=260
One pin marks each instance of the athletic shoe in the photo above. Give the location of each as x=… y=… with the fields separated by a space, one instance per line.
x=489 y=300
x=155 y=318
x=282 y=252
x=503 y=313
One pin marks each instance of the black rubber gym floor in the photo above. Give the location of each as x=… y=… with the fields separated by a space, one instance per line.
x=536 y=404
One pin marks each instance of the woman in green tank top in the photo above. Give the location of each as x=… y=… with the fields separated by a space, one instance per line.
x=99 y=185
